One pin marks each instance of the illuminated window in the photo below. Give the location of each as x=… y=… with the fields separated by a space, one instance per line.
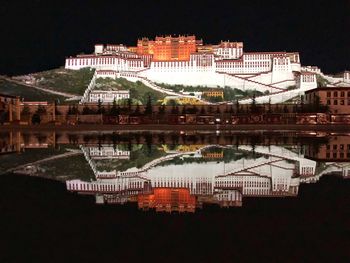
x=341 y=146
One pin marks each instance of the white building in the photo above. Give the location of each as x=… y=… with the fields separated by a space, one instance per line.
x=108 y=96
x=226 y=65
x=307 y=81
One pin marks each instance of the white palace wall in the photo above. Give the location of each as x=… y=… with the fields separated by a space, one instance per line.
x=261 y=71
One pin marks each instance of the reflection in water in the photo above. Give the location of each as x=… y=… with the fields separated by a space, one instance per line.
x=180 y=172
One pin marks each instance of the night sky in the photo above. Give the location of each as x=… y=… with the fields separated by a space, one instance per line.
x=38 y=35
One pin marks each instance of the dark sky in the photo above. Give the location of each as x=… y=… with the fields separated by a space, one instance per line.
x=38 y=35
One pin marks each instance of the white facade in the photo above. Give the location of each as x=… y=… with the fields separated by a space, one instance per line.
x=225 y=65
x=201 y=69
x=229 y=50
x=108 y=96
x=107 y=152
x=307 y=81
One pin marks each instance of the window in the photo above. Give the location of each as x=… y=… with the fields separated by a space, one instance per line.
x=348 y=146
x=341 y=102
x=335 y=146
x=328 y=147
x=341 y=155
x=341 y=146
x=335 y=102
x=328 y=102
x=328 y=93
x=348 y=93
x=335 y=93
x=334 y=155
x=328 y=155
x=342 y=94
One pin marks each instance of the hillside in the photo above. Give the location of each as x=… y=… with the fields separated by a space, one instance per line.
x=64 y=80
x=29 y=94
x=74 y=82
x=138 y=90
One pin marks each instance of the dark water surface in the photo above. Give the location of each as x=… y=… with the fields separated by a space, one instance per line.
x=199 y=197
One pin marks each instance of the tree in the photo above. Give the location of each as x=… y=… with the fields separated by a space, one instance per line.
x=114 y=111
x=99 y=106
x=253 y=107
x=231 y=109
x=317 y=104
x=175 y=110
x=184 y=109
x=69 y=112
x=73 y=110
x=137 y=109
x=162 y=109
x=87 y=110
x=129 y=102
x=237 y=106
x=148 y=109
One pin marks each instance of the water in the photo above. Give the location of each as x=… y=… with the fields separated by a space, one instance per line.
x=162 y=195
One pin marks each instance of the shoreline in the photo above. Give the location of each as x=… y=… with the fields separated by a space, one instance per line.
x=180 y=127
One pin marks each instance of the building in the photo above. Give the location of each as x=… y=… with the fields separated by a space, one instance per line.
x=213 y=93
x=108 y=96
x=229 y=50
x=10 y=104
x=337 y=98
x=168 y=200
x=185 y=60
x=168 y=48
x=336 y=149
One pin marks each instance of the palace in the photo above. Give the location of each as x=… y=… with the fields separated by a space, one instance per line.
x=185 y=60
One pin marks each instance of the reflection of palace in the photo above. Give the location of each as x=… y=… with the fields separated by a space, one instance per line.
x=166 y=172
x=185 y=180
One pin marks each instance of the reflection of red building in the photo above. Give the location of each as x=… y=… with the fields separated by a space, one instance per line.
x=168 y=200
x=337 y=149
x=168 y=47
